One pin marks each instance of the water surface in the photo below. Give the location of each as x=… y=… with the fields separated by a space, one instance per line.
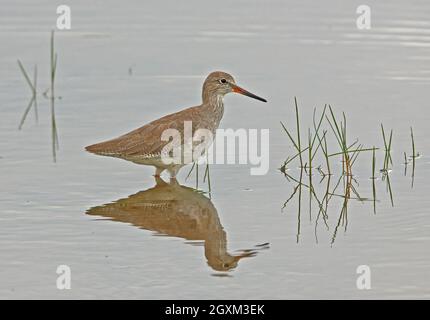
x=122 y=66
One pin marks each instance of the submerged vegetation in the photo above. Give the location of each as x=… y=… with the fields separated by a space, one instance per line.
x=340 y=181
x=33 y=101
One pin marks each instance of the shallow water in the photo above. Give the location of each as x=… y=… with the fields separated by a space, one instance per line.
x=122 y=66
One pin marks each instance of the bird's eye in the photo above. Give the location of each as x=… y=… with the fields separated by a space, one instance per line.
x=223 y=81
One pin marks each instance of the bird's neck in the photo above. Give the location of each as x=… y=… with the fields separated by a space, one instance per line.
x=214 y=102
x=214 y=107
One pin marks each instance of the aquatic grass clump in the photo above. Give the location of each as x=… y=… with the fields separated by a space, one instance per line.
x=33 y=101
x=325 y=126
x=312 y=139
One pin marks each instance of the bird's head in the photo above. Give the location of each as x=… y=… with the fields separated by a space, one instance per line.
x=218 y=84
x=225 y=261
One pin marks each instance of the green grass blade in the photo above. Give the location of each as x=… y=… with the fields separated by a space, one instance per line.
x=27 y=78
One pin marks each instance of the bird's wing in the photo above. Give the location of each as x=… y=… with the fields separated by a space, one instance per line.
x=145 y=140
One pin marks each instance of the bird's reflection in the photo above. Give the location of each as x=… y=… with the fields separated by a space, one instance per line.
x=178 y=211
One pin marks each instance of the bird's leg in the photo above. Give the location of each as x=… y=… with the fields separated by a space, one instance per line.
x=158 y=172
x=173 y=181
x=173 y=171
x=159 y=181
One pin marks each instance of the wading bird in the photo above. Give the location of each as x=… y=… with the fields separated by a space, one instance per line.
x=145 y=144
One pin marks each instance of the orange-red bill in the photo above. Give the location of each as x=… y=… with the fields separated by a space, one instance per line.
x=238 y=89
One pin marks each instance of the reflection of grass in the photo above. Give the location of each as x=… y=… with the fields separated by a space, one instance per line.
x=328 y=127
x=386 y=178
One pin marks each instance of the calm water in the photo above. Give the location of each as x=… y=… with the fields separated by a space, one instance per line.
x=124 y=237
